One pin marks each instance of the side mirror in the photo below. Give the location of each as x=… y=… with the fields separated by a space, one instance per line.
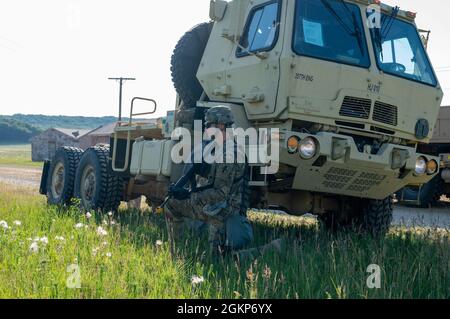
x=217 y=9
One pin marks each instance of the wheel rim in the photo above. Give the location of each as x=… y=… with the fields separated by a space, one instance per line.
x=88 y=185
x=58 y=179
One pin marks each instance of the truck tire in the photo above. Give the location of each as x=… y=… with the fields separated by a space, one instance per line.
x=185 y=62
x=61 y=175
x=346 y=217
x=372 y=217
x=377 y=216
x=96 y=185
x=430 y=194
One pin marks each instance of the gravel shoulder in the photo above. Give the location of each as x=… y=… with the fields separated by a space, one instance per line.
x=20 y=176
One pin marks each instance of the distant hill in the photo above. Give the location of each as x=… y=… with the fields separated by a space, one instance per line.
x=44 y=122
x=19 y=128
x=12 y=131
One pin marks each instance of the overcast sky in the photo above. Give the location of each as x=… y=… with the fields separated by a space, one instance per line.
x=56 y=55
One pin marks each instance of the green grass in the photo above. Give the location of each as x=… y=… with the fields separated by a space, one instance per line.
x=415 y=263
x=17 y=155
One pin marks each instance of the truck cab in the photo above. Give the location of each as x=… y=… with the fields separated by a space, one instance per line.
x=352 y=75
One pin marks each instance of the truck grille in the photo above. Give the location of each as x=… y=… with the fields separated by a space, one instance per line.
x=356 y=107
x=385 y=113
x=351 y=180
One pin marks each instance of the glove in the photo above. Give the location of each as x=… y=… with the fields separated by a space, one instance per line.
x=179 y=193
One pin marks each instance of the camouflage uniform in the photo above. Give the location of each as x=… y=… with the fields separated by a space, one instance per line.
x=219 y=201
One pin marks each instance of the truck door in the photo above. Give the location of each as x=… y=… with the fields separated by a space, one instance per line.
x=254 y=67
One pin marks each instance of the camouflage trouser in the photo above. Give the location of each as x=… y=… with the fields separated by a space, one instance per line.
x=186 y=214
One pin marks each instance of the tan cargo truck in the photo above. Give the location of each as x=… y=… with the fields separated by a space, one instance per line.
x=352 y=93
x=432 y=192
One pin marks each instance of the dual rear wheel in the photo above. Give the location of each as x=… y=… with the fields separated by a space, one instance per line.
x=86 y=176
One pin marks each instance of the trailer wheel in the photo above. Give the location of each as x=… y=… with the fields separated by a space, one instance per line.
x=61 y=175
x=96 y=185
x=430 y=194
x=185 y=62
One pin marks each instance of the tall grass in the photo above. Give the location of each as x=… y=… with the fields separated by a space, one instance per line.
x=129 y=262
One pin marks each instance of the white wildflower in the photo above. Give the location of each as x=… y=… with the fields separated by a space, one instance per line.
x=44 y=240
x=110 y=214
x=95 y=251
x=79 y=226
x=4 y=224
x=197 y=280
x=59 y=238
x=159 y=243
x=113 y=223
x=109 y=255
x=88 y=215
x=34 y=247
x=17 y=223
x=101 y=231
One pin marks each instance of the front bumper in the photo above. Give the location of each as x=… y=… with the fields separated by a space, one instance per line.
x=340 y=168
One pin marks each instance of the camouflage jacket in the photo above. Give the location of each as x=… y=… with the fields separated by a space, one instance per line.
x=221 y=190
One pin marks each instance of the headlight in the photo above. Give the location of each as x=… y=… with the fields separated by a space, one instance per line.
x=308 y=148
x=292 y=144
x=421 y=166
x=432 y=167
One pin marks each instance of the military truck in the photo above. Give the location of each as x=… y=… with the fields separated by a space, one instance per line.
x=431 y=193
x=352 y=103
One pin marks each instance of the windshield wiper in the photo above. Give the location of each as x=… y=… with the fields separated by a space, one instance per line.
x=356 y=32
x=386 y=26
x=390 y=22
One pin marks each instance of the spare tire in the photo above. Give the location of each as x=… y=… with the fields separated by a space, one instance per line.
x=185 y=63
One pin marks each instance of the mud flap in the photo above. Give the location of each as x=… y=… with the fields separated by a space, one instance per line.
x=44 y=178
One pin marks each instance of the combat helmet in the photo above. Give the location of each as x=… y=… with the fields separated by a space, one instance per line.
x=219 y=115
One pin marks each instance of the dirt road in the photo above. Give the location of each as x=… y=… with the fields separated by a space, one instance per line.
x=20 y=176
x=432 y=217
x=408 y=216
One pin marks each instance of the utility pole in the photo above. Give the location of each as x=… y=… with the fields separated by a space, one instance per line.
x=121 y=82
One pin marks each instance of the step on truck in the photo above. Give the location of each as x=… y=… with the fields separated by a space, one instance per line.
x=348 y=84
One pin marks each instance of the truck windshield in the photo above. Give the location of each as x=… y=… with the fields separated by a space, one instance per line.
x=330 y=30
x=399 y=51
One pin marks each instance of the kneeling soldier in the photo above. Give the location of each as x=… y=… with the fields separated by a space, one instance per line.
x=218 y=197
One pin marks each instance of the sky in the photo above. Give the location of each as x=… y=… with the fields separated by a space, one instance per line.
x=56 y=55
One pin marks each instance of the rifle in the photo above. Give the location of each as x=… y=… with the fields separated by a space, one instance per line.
x=187 y=177
x=182 y=182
